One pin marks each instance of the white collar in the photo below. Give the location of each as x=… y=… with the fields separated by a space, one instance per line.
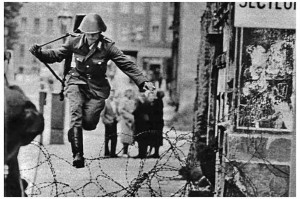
x=98 y=46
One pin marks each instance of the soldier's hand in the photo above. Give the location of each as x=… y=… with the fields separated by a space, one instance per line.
x=148 y=86
x=35 y=50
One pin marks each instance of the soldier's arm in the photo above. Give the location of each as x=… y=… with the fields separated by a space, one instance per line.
x=126 y=65
x=56 y=55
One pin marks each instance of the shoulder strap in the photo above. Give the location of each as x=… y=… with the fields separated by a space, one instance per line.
x=106 y=39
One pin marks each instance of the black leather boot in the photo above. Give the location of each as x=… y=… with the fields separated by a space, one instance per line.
x=76 y=140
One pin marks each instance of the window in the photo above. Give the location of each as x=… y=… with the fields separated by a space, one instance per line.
x=155 y=31
x=139 y=7
x=155 y=28
x=125 y=7
x=24 y=24
x=156 y=8
x=171 y=8
x=124 y=32
x=139 y=30
x=49 y=26
x=155 y=22
x=22 y=50
x=36 y=27
x=169 y=35
x=108 y=7
x=266 y=79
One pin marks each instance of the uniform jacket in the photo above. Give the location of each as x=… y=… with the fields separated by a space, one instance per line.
x=91 y=66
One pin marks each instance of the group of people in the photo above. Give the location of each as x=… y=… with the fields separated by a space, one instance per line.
x=140 y=120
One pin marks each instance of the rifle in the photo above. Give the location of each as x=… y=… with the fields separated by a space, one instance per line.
x=67 y=67
x=68 y=60
x=66 y=35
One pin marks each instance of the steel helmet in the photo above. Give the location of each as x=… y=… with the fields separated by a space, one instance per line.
x=92 y=23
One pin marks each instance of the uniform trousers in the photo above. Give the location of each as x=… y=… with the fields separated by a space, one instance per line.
x=84 y=111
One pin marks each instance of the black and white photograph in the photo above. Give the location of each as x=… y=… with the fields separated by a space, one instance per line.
x=149 y=99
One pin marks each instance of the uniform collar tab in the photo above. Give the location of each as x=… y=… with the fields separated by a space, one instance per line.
x=81 y=42
x=99 y=45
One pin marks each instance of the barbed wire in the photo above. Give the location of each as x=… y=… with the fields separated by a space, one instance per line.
x=152 y=177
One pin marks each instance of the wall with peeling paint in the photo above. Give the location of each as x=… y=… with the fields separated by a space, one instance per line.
x=249 y=113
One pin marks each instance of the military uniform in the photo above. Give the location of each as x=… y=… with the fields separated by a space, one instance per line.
x=89 y=75
x=87 y=86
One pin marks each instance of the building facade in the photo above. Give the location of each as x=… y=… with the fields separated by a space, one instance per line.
x=245 y=104
x=185 y=47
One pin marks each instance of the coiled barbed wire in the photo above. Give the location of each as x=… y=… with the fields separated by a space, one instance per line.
x=150 y=178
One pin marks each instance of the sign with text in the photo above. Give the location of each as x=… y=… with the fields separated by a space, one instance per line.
x=265 y=15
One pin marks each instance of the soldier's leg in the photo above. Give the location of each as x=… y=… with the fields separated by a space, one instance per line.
x=76 y=139
x=91 y=113
x=76 y=100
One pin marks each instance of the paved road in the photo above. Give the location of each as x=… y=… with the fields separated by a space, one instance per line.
x=49 y=171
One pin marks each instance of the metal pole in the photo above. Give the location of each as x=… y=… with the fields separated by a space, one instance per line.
x=42 y=103
x=57 y=119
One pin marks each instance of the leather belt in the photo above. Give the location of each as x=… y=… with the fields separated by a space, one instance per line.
x=90 y=76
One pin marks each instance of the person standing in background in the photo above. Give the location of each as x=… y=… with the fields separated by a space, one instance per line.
x=126 y=108
x=157 y=124
x=110 y=117
x=143 y=123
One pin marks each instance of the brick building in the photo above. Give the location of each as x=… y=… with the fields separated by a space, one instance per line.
x=244 y=127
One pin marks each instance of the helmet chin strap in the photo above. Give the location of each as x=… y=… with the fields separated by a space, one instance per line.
x=90 y=45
